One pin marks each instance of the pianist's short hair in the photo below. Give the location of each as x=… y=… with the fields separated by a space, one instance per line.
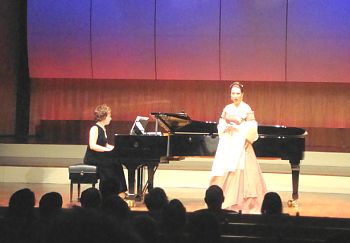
x=238 y=85
x=101 y=112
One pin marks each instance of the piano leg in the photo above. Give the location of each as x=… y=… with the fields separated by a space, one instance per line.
x=295 y=166
x=139 y=183
x=151 y=169
x=138 y=171
x=131 y=182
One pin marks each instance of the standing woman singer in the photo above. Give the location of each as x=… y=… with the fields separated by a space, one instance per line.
x=235 y=167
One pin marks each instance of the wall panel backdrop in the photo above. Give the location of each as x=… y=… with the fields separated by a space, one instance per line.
x=187 y=39
x=253 y=38
x=319 y=41
x=141 y=56
x=274 y=40
x=59 y=39
x=123 y=39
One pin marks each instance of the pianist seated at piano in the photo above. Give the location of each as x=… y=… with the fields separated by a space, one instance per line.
x=235 y=168
x=98 y=151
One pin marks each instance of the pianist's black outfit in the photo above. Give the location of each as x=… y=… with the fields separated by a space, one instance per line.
x=107 y=165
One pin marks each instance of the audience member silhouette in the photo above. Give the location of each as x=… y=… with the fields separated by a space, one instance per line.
x=50 y=205
x=173 y=222
x=21 y=204
x=146 y=227
x=20 y=223
x=155 y=201
x=116 y=207
x=89 y=226
x=91 y=198
x=203 y=227
x=214 y=198
x=272 y=204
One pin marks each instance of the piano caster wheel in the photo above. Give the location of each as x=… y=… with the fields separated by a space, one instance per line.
x=292 y=203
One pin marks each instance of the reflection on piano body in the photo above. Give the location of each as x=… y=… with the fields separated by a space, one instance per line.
x=186 y=137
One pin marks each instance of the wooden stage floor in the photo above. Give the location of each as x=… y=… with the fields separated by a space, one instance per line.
x=310 y=203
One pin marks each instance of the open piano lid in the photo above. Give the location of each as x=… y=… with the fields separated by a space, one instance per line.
x=172 y=122
x=182 y=123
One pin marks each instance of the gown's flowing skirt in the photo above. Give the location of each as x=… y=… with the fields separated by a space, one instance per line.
x=236 y=170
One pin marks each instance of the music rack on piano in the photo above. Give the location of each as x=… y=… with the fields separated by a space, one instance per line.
x=187 y=137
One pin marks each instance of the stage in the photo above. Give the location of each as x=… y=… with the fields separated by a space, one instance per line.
x=310 y=204
x=323 y=187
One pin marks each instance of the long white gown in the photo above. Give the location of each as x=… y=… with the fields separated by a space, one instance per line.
x=235 y=167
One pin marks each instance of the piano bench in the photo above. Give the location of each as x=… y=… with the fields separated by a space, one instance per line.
x=82 y=174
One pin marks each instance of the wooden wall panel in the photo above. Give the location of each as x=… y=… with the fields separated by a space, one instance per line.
x=290 y=104
x=57 y=99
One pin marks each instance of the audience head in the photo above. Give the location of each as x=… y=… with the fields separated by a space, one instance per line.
x=173 y=216
x=156 y=199
x=214 y=197
x=90 y=198
x=22 y=203
x=50 y=204
x=272 y=204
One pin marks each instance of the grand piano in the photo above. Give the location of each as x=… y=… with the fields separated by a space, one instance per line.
x=187 y=137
